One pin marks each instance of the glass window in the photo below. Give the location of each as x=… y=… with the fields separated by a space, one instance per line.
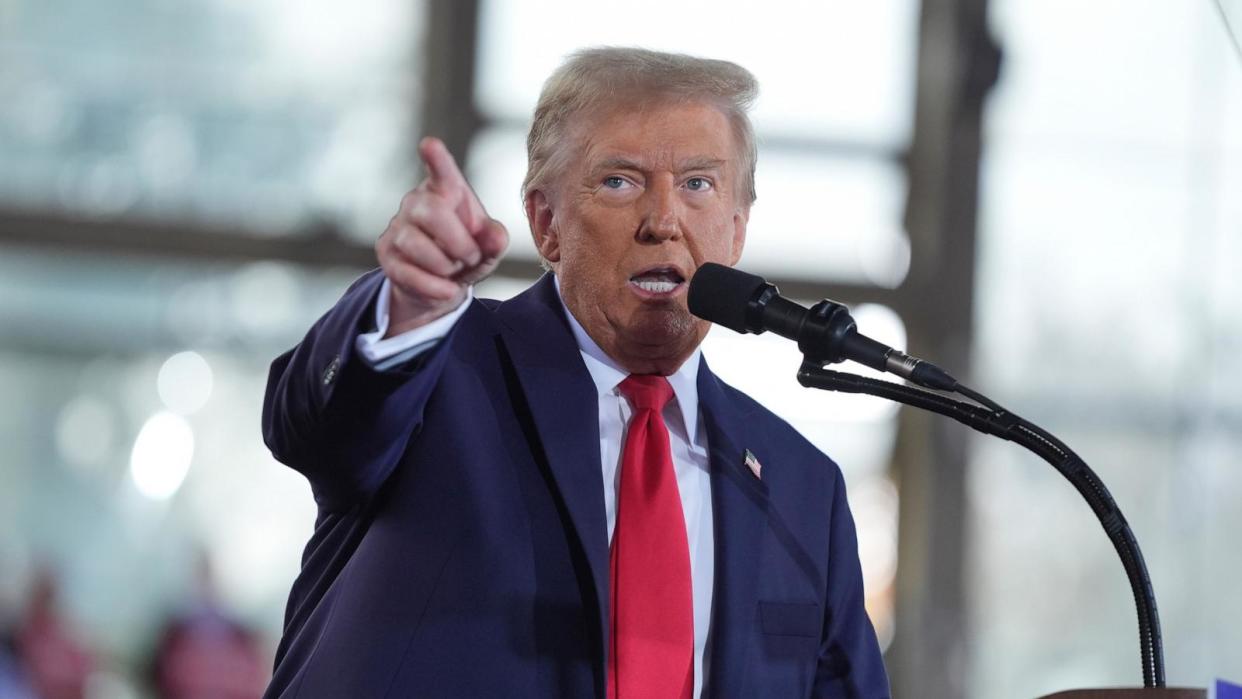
x=266 y=115
x=839 y=70
x=135 y=445
x=1108 y=311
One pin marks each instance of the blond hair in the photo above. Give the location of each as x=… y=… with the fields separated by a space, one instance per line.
x=598 y=77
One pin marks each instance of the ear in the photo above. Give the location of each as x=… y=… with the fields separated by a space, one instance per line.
x=740 y=218
x=543 y=226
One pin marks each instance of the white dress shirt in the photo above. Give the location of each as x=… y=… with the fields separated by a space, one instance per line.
x=385 y=353
x=687 y=437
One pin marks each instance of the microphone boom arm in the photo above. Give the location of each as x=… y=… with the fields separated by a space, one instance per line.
x=998 y=422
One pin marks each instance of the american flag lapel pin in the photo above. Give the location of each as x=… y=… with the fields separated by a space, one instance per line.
x=753 y=464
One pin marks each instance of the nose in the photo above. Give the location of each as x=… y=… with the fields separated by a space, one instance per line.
x=662 y=219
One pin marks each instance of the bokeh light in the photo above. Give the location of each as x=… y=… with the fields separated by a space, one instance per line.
x=161 y=456
x=185 y=382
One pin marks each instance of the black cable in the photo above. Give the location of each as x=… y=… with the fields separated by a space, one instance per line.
x=977 y=397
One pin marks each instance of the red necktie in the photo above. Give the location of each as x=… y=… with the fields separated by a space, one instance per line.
x=652 y=643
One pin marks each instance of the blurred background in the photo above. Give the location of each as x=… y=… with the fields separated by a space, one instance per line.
x=1044 y=197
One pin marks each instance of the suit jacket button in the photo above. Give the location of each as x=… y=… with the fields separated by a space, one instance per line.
x=330 y=373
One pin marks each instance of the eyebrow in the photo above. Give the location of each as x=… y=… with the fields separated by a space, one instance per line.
x=701 y=163
x=618 y=163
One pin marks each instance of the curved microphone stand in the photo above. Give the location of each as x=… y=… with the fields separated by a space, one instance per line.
x=990 y=418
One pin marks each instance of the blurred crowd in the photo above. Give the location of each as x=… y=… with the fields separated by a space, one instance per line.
x=201 y=652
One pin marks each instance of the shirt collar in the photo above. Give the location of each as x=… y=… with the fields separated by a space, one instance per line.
x=607 y=374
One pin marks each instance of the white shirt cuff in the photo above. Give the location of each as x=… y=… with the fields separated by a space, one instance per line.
x=385 y=353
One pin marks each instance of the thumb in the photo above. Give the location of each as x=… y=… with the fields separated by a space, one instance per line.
x=493 y=240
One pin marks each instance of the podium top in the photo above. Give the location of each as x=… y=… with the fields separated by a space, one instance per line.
x=1131 y=693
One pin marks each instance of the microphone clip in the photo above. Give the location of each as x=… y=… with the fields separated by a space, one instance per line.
x=827 y=326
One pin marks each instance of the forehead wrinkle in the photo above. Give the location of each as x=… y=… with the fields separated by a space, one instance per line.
x=695 y=162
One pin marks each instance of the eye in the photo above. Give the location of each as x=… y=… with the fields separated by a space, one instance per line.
x=614 y=182
x=698 y=184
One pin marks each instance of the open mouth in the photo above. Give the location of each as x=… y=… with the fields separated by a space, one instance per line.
x=658 y=280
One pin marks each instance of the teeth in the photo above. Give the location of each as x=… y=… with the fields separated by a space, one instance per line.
x=655 y=286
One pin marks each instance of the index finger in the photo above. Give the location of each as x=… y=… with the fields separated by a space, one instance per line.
x=442 y=170
x=445 y=178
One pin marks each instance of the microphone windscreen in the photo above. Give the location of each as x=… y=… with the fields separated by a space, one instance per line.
x=722 y=295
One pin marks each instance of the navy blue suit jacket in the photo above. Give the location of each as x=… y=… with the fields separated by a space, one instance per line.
x=460 y=548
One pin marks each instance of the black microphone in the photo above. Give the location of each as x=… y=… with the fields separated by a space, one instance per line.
x=825 y=332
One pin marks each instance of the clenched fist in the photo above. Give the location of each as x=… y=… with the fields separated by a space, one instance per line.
x=440 y=242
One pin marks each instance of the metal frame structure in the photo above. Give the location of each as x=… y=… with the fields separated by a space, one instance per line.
x=958 y=63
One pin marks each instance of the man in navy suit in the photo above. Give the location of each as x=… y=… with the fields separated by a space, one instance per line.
x=472 y=461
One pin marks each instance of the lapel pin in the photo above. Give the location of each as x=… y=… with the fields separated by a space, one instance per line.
x=753 y=464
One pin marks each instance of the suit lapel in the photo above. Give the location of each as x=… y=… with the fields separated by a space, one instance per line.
x=740 y=509
x=565 y=411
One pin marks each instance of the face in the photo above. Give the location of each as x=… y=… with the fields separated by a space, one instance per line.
x=650 y=194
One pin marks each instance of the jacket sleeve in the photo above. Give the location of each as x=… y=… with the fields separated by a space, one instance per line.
x=850 y=665
x=331 y=416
